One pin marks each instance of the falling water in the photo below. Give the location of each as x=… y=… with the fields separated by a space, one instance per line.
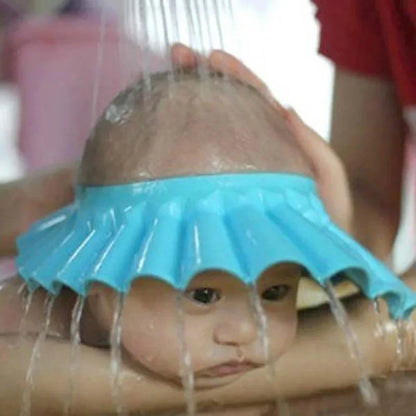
x=75 y=342
x=23 y=323
x=166 y=38
x=154 y=15
x=400 y=345
x=202 y=23
x=366 y=388
x=262 y=325
x=25 y=409
x=217 y=14
x=173 y=10
x=229 y=9
x=146 y=43
x=197 y=26
x=115 y=341
x=411 y=333
x=405 y=347
x=380 y=328
x=98 y=69
x=127 y=58
x=207 y=13
x=21 y=291
x=187 y=374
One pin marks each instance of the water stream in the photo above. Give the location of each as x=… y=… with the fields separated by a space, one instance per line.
x=127 y=56
x=411 y=333
x=25 y=409
x=167 y=39
x=75 y=343
x=145 y=41
x=187 y=374
x=263 y=332
x=380 y=327
x=98 y=69
x=400 y=345
x=365 y=386
x=115 y=342
x=23 y=323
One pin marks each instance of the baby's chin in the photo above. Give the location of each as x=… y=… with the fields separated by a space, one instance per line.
x=212 y=382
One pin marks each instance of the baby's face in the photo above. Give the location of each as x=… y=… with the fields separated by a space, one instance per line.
x=222 y=333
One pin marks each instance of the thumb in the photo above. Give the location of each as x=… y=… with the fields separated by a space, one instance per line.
x=328 y=170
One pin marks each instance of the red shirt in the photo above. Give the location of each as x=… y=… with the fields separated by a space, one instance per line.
x=374 y=37
x=378 y=38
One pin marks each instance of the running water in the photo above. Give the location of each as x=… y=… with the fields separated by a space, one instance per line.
x=200 y=24
x=263 y=331
x=380 y=327
x=25 y=409
x=400 y=345
x=217 y=14
x=367 y=390
x=167 y=39
x=145 y=41
x=229 y=10
x=98 y=69
x=23 y=323
x=115 y=341
x=405 y=347
x=75 y=342
x=187 y=374
x=128 y=59
x=411 y=334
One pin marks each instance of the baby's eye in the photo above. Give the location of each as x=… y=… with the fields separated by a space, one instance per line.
x=275 y=293
x=204 y=295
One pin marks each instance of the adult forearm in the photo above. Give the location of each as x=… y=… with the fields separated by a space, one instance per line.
x=371 y=220
x=368 y=134
x=27 y=200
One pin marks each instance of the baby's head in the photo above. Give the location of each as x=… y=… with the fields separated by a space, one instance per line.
x=196 y=126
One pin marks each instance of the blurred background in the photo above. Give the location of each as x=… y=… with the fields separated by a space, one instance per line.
x=51 y=64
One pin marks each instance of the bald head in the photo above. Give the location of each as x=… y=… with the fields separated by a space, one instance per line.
x=194 y=125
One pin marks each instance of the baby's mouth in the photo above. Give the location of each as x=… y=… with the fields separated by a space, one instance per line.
x=227 y=369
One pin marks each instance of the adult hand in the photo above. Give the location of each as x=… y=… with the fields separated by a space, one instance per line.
x=327 y=167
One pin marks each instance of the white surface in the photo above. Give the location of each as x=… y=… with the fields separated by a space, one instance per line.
x=280 y=45
x=11 y=166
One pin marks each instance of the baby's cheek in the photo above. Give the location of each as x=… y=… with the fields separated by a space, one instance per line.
x=154 y=349
x=282 y=334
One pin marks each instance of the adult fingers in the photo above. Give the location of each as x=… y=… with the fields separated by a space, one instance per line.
x=226 y=63
x=184 y=57
x=328 y=170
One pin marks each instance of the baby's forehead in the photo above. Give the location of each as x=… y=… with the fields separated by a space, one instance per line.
x=186 y=128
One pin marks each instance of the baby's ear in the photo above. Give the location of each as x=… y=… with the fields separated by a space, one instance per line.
x=328 y=171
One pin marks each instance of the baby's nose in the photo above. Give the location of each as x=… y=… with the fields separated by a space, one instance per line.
x=236 y=327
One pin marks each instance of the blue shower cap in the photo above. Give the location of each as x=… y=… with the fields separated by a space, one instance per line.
x=174 y=228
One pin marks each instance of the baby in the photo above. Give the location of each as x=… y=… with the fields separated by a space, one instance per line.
x=193 y=126
x=201 y=124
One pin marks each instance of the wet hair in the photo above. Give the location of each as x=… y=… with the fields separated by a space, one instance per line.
x=190 y=125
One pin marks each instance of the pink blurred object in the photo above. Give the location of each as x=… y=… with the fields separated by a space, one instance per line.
x=54 y=63
x=7 y=269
